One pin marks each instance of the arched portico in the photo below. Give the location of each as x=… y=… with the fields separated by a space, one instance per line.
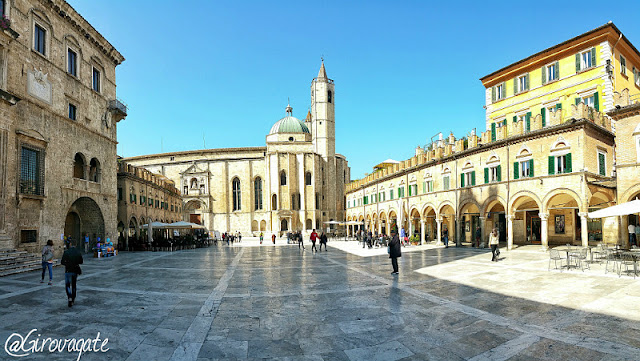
x=469 y=220
x=566 y=221
x=526 y=223
x=84 y=217
x=447 y=217
x=494 y=216
x=429 y=223
x=415 y=224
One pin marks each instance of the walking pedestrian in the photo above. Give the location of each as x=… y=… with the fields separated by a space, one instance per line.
x=86 y=243
x=493 y=243
x=403 y=235
x=261 y=237
x=239 y=237
x=478 y=235
x=273 y=238
x=445 y=236
x=300 y=241
x=395 y=251
x=314 y=237
x=71 y=259
x=632 y=235
x=323 y=240
x=47 y=261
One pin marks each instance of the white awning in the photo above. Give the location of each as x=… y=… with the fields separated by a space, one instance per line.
x=622 y=209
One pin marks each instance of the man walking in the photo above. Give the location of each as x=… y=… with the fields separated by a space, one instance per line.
x=314 y=237
x=478 y=234
x=300 y=241
x=394 y=251
x=273 y=238
x=71 y=259
x=632 y=235
x=323 y=240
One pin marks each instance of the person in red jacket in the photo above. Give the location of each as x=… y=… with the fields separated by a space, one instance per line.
x=314 y=237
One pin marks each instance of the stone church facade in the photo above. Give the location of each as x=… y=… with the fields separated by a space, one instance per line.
x=58 y=115
x=295 y=183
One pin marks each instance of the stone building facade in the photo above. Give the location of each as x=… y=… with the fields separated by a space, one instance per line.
x=532 y=176
x=296 y=182
x=144 y=197
x=57 y=126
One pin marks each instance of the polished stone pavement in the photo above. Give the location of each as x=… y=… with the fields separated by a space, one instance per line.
x=280 y=303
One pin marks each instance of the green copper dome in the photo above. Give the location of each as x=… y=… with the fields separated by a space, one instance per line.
x=289 y=124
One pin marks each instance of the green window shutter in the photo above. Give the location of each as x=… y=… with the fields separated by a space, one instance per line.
x=515 y=118
x=515 y=86
x=410 y=190
x=531 y=167
x=473 y=177
x=577 y=62
x=596 y=102
x=544 y=75
x=504 y=121
x=493 y=132
x=568 y=168
x=552 y=164
x=528 y=119
x=516 y=170
x=558 y=106
x=557 y=70
x=391 y=194
x=461 y=180
x=493 y=94
x=486 y=175
x=578 y=101
x=424 y=187
x=593 y=56
x=527 y=82
x=543 y=113
x=499 y=173
x=601 y=165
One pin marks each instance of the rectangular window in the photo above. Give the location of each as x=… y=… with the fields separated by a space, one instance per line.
x=525 y=171
x=550 y=72
x=585 y=60
x=39 y=39
x=28 y=236
x=623 y=65
x=430 y=186
x=523 y=83
x=31 y=171
x=96 y=80
x=72 y=111
x=2 y=7
x=467 y=180
x=563 y=163
x=636 y=76
x=72 y=66
x=589 y=101
x=445 y=183
x=602 y=165
x=493 y=174
x=500 y=91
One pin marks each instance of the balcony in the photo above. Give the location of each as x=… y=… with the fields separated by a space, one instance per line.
x=118 y=108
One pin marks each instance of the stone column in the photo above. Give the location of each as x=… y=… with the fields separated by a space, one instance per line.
x=544 y=230
x=422 y=228
x=584 y=232
x=483 y=227
x=439 y=232
x=510 y=231
x=459 y=231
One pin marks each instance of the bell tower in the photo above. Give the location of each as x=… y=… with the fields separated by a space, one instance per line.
x=323 y=129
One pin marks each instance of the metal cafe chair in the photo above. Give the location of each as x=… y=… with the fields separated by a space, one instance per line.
x=612 y=257
x=627 y=259
x=554 y=255
x=580 y=257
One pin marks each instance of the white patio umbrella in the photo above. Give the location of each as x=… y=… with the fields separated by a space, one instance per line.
x=621 y=209
x=184 y=225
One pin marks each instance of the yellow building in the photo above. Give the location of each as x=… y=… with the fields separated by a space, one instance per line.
x=586 y=69
x=544 y=162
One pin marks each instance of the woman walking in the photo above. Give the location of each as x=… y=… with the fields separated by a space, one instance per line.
x=493 y=243
x=47 y=261
x=394 y=251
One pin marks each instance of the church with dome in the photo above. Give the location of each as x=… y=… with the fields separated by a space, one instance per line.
x=294 y=183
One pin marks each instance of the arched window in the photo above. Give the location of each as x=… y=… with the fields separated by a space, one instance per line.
x=283 y=178
x=257 y=193
x=329 y=96
x=78 y=166
x=317 y=200
x=274 y=202
x=236 y=194
x=94 y=170
x=307 y=178
x=194 y=183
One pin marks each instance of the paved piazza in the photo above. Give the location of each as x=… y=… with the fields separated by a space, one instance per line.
x=279 y=303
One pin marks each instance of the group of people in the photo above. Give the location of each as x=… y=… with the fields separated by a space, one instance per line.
x=71 y=260
x=233 y=237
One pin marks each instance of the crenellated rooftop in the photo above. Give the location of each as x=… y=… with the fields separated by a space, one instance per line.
x=441 y=150
x=147 y=176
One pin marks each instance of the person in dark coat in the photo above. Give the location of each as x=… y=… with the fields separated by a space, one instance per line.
x=323 y=240
x=394 y=252
x=71 y=259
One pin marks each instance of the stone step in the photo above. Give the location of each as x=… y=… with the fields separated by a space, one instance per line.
x=22 y=267
x=6 y=260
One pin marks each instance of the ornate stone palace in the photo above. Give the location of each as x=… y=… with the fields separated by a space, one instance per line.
x=562 y=139
x=296 y=182
x=58 y=126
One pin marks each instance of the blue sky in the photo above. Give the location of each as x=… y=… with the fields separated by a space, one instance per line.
x=218 y=73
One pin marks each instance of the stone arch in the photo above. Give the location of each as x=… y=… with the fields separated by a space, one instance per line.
x=560 y=191
x=84 y=216
x=518 y=197
x=263 y=225
x=133 y=227
x=630 y=193
x=490 y=202
x=444 y=204
x=464 y=203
